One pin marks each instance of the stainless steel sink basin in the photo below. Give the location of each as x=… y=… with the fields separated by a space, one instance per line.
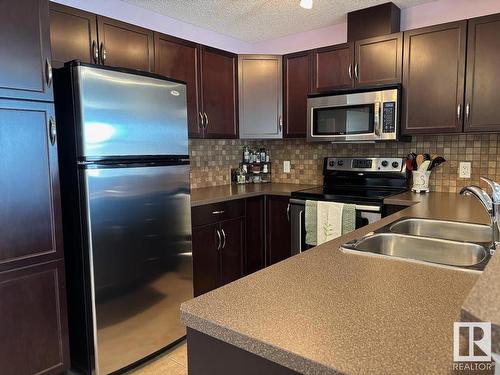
x=452 y=253
x=451 y=230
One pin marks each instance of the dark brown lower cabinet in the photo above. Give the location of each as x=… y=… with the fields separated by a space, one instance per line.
x=218 y=247
x=33 y=322
x=255 y=240
x=278 y=230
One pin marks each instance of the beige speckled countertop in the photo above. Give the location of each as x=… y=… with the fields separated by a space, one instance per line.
x=328 y=312
x=222 y=193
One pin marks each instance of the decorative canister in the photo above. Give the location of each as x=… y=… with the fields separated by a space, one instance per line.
x=421 y=181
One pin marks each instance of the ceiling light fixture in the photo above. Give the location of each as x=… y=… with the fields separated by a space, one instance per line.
x=306 y=4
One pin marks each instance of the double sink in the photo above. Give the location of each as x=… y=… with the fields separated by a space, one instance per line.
x=436 y=241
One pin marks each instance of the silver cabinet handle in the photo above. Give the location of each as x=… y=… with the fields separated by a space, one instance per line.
x=52 y=131
x=288 y=212
x=280 y=123
x=467 y=111
x=206 y=119
x=350 y=71
x=218 y=212
x=48 y=72
x=356 y=71
x=95 y=52
x=223 y=238
x=459 y=111
x=201 y=120
x=219 y=242
x=103 y=53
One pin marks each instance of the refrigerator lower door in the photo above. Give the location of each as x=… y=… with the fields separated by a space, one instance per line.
x=139 y=228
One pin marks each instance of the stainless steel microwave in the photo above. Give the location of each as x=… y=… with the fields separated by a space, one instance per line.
x=355 y=116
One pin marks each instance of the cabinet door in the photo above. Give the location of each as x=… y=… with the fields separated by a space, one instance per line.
x=124 y=45
x=73 y=35
x=333 y=68
x=219 y=93
x=278 y=229
x=29 y=185
x=254 y=234
x=25 y=44
x=34 y=323
x=205 y=258
x=177 y=58
x=433 y=79
x=483 y=80
x=296 y=87
x=259 y=78
x=231 y=251
x=379 y=61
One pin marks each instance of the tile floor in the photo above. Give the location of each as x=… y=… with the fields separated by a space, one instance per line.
x=172 y=362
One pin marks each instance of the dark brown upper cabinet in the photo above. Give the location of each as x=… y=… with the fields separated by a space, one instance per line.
x=333 y=68
x=73 y=35
x=125 y=45
x=378 y=61
x=26 y=68
x=482 y=80
x=219 y=93
x=30 y=205
x=296 y=87
x=433 y=79
x=178 y=58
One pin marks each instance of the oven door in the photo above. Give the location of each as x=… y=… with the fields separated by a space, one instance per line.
x=365 y=214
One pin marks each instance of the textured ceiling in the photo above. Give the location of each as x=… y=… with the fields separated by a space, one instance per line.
x=257 y=20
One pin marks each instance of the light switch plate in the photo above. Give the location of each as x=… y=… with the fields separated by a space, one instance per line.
x=286 y=166
x=465 y=169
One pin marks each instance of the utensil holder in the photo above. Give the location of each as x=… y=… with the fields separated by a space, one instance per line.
x=421 y=181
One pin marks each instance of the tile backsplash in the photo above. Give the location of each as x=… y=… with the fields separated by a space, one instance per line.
x=212 y=160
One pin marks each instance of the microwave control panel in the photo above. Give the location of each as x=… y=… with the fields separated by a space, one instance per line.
x=389 y=117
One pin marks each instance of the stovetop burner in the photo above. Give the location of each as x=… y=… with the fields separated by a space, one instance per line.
x=358 y=180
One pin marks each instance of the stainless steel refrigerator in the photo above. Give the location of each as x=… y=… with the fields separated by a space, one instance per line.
x=124 y=172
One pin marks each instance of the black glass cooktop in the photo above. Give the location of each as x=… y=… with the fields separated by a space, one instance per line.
x=346 y=195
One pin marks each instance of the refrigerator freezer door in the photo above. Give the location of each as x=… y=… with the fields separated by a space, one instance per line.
x=126 y=115
x=139 y=225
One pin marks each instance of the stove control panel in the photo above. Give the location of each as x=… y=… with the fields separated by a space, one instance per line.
x=366 y=164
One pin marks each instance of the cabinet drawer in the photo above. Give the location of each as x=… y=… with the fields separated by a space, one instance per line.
x=212 y=213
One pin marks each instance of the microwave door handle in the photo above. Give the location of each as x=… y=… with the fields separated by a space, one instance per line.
x=377 y=128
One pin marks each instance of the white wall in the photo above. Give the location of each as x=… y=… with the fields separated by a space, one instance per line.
x=432 y=13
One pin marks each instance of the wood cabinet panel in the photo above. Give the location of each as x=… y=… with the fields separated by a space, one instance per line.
x=219 y=92
x=278 y=245
x=231 y=251
x=333 y=68
x=254 y=234
x=29 y=184
x=483 y=61
x=296 y=87
x=25 y=46
x=379 y=60
x=178 y=58
x=433 y=79
x=217 y=212
x=73 y=35
x=205 y=259
x=34 y=323
x=124 y=45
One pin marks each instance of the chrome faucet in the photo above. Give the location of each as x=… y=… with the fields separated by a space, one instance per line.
x=492 y=205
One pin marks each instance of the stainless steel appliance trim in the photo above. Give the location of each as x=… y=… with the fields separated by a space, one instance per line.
x=359 y=207
x=359 y=98
x=377 y=165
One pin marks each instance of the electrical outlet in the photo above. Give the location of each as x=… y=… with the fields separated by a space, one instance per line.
x=464 y=169
x=286 y=166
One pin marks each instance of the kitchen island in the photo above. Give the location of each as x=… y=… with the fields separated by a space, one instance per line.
x=328 y=312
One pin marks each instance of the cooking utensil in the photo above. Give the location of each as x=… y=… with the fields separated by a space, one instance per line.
x=437 y=161
x=420 y=159
x=424 y=166
x=409 y=164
